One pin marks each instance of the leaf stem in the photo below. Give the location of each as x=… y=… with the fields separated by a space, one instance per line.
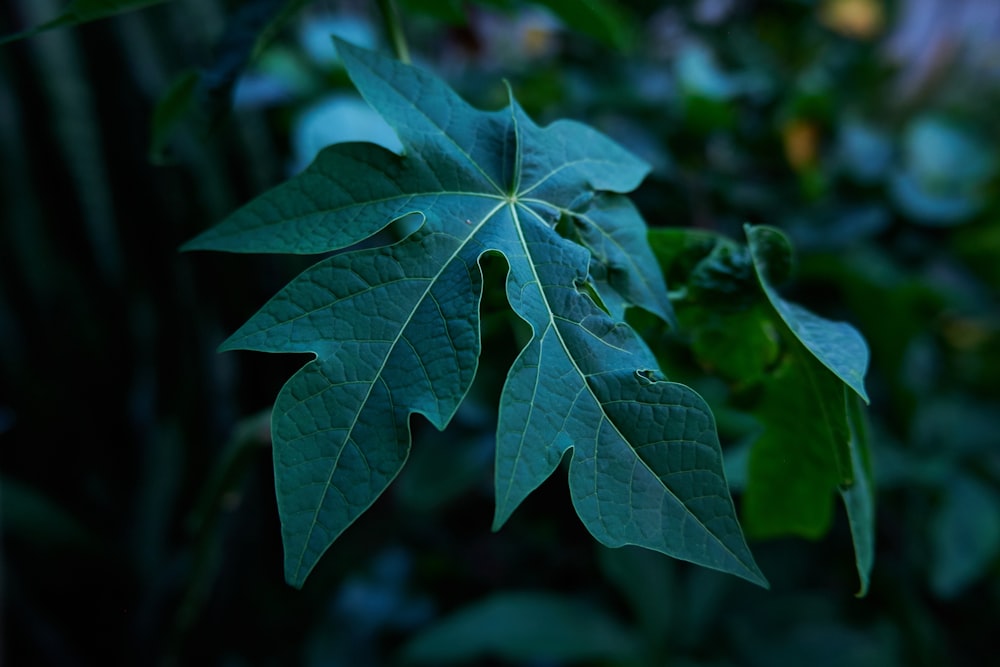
x=394 y=30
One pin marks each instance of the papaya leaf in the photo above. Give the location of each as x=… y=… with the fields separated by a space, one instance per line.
x=395 y=329
x=83 y=11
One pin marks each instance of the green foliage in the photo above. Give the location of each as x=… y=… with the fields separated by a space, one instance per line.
x=395 y=329
x=807 y=372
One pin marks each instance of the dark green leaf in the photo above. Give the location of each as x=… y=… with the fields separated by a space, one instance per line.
x=741 y=346
x=523 y=626
x=836 y=345
x=793 y=469
x=395 y=330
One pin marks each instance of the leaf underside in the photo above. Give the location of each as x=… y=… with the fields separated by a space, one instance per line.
x=395 y=329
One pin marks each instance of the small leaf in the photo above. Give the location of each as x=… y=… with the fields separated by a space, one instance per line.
x=83 y=11
x=523 y=626
x=395 y=329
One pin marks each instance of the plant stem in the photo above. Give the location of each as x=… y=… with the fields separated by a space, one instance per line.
x=394 y=29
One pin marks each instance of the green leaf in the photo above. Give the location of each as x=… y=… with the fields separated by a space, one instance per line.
x=740 y=346
x=836 y=345
x=524 y=626
x=814 y=441
x=793 y=471
x=859 y=497
x=83 y=11
x=395 y=329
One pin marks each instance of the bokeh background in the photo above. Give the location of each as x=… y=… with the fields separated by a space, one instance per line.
x=136 y=489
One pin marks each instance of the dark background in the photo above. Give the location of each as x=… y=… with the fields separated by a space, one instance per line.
x=139 y=521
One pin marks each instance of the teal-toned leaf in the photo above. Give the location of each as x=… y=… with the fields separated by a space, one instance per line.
x=836 y=345
x=84 y=11
x=395 y=329
x=523 y=626
x=623 y=267
x=859 y=497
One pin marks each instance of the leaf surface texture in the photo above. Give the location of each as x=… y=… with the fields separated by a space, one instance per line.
x=395 y=328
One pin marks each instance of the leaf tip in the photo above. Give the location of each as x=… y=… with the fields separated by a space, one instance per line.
x=295 y=576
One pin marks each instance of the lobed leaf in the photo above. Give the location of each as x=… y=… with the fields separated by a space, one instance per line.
x=395 y=329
